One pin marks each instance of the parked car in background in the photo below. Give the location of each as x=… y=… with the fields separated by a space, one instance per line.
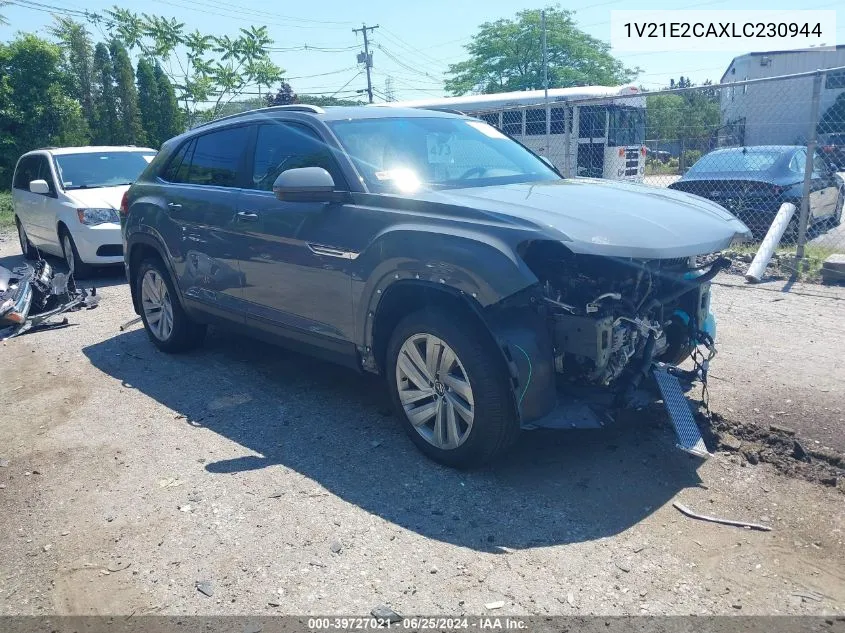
x=753 y=182
x=65 y=202
x=832 y=147
x=432 y=249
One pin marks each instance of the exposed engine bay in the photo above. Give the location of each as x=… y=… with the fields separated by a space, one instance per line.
x=612 y=318
x=30 y=296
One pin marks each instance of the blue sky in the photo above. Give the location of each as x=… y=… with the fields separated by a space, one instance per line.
x=416 y=41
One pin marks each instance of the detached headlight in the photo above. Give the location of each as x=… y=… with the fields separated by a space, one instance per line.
x=97 y=216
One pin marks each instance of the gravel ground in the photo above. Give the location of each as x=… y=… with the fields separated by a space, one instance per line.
x=284 y=486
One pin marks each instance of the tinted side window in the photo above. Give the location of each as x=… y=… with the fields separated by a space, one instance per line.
x=26 y=172
x=512 y=122
x=44 y=172
x=282 y=146
x=819 y=165
x=216 y=158
x=535 y=121
x=171 y=172
x=798 y=162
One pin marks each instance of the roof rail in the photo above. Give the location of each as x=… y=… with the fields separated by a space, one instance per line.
x=293 y=107
x=298 y=107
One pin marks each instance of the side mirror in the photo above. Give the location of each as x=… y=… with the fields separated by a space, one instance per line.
x=305 y=184
x=39 y=186
x=834 y=167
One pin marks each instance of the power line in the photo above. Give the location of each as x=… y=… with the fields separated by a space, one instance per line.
x=236 y=16
x=354 y=77
x=48 y=8
x=308 y=47
x=396 y=39
x=257 y=12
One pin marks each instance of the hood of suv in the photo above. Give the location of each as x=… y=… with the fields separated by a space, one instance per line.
x=602 y=217
x=98 y=197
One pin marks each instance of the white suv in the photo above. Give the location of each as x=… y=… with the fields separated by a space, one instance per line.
x=66 y=202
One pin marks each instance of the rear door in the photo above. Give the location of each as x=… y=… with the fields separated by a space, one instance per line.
x=296 y=278
x=33 y=208
x=22 y=198
x=206 y=175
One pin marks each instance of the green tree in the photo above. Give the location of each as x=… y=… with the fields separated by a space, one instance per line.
x=130 y=131
x=689 y=118
x=201 y=67
x=105 y=101
x=77 y=62
x=171 y=119
x=34 y=109
x=507 y=55
x=833 y=119
x=148 y=102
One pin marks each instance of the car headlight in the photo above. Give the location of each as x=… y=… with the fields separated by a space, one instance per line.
x=97 y=216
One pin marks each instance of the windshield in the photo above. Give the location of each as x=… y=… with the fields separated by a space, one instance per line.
x=736 y=161
x=101 y=169
x=627 y=126
x=402 y=154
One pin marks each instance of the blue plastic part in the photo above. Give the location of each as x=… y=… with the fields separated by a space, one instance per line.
x=709 y=325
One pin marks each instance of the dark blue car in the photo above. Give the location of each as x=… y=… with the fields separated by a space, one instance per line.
x=752 y=183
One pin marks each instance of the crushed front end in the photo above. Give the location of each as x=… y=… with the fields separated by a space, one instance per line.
x=618 y=329
x=30 y=296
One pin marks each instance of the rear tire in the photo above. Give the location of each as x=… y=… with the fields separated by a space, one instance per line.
x=75 y=265
x=167 y=324
x=28 y=250
x=465 y=373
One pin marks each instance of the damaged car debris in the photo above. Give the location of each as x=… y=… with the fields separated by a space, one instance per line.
x=32 y=295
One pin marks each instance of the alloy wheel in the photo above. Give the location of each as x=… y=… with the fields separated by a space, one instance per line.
x=435 y=391
x=157 y=305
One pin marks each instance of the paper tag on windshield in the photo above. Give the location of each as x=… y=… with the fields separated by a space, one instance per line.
x=486 y=129
x=439 y=149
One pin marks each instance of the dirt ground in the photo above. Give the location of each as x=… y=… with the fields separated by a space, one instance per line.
x=132 y=482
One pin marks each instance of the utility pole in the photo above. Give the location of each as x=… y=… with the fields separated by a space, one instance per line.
x=546 y=85
x=367 y=58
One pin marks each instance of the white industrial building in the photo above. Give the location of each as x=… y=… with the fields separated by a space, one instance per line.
x=777 y=112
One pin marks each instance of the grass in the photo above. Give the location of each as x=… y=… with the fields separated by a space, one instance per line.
x=7 y=218
x=810 y=269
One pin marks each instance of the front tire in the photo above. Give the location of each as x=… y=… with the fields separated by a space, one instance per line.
x=450 y=389
x=168 y=326
x=75 y=265
x=28 y=250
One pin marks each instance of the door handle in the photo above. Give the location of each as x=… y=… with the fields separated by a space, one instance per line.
x=174 y=206
x=247 y=216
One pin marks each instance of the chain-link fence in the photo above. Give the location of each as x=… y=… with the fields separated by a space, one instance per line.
x=750 y=146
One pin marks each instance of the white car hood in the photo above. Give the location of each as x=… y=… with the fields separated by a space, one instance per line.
x=98 y=198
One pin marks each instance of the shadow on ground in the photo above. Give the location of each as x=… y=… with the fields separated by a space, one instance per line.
x=335 y=427
x=101 y=277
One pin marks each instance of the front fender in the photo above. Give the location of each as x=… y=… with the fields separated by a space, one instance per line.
x=478 y=266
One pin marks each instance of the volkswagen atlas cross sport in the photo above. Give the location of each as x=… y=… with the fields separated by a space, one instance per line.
x=66 y=200
x=492 y=294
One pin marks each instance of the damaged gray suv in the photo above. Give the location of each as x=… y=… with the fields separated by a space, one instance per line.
x=492 y=294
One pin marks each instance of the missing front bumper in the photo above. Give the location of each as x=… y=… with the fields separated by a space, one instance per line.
x=594 y=408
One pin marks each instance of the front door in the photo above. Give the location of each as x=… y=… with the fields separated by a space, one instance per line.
x=202 y=201
x=295 y=265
